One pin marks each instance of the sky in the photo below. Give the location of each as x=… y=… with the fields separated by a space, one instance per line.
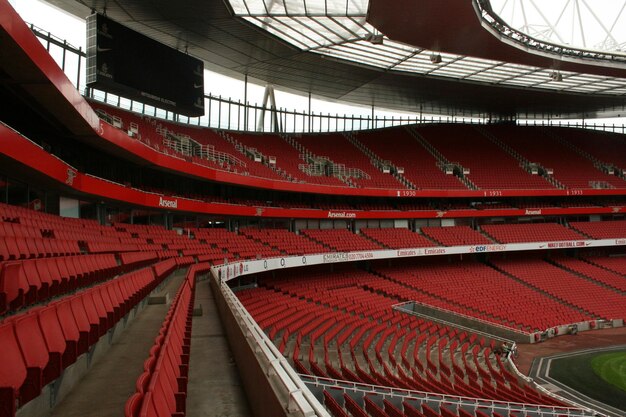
x=71 y=28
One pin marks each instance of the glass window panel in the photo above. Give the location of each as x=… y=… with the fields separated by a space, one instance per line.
x=298 y=41
x=239 y=7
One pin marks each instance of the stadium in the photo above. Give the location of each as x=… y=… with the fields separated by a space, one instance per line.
x=452 y=245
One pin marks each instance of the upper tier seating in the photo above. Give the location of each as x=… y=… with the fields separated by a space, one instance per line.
x=341 y=240
x=456 y=236
x=489 y=165
x=606 y=147
x=420 y=167
x=222 y=154
x=338 y=149
x=397 y=238
x=601 y=230
x=570 y=168
x=288 y=158
x=532 y=232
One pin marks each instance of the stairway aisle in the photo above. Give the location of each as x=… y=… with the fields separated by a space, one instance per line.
x=214 y=387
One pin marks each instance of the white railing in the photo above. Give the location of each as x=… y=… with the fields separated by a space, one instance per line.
x=445 y=399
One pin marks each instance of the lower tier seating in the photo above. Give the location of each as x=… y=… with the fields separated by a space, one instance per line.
x=162 y=387
x=39 y=344
x=338 y=326
x=477 y=290
x=615 y=264
x=578 y=292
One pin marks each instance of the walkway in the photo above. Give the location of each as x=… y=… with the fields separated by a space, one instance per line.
x=214 y=387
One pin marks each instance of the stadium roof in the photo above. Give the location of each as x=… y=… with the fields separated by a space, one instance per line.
x=431 y=56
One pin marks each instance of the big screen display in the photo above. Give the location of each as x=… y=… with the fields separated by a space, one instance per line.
x=124 y=62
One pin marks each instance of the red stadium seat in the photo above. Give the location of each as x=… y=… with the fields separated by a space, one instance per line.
x=13 y=371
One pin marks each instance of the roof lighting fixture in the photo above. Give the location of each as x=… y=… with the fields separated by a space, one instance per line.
x=435 y=58
x=374 y=38
x=556 y=76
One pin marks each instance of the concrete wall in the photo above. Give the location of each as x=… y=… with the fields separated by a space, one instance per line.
x=263 y=400
x=468 y=322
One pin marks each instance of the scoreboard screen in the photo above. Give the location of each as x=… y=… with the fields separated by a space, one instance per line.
x=126 y=63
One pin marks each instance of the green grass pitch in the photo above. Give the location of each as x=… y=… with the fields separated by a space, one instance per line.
x=601 y=376
x=612 y=368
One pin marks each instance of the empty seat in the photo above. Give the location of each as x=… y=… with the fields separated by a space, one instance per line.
x=13 y=286
x=12 y=371
x=35 y=354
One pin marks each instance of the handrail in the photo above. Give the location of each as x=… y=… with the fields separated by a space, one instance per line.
x=544 y=390
x=443 y=398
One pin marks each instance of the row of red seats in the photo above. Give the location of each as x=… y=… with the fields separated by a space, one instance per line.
x=43 y=221
x=31 y=281
x=20 y=230
x=596 y=300
x=338 y=149
x=362 y=404
x=474 y=289
x=593 y=272
x=161 y=390
x=132 y=260
x=531 y=232
x=456 y=235
x=569 y=167
x=397 y=238
x=601 y=230
x=420 y=167
x=288 y=158
x=12 y=248
x=284 y=241
x=341 y=308
x=103 y=247
x=490 y=166
x=40 y=343
x=616 y=264
x=341 y=240
x=234 y=245
x=609 y=148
